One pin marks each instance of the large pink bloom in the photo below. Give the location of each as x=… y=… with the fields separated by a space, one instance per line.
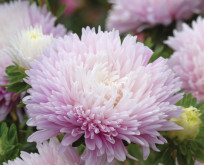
x=188 y=58
x=127 y=15
x=14 y=17
x=48 y=155
x=103 y=90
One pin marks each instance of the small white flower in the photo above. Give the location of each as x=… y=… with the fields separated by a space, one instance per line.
x=27 y=45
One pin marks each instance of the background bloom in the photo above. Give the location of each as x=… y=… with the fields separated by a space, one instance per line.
x=48 y=155
x=141 y=14
x=104 y=91
x=27 y=45
x=188 y=59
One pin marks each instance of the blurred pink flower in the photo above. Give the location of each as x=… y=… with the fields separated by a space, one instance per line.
x=138 y=15
x=71 y=5
x=188 y=59
x=104 y=91
x=48 y=155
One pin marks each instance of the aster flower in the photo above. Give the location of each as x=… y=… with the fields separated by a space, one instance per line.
x=188 y=59
x=103 y=91
x=48 y=155
x=27 y=45
x=141 y=14
x=23 y=15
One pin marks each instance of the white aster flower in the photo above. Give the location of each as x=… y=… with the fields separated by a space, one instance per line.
x=27 y=45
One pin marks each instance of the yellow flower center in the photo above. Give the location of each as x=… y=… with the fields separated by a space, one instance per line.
x=34 y=35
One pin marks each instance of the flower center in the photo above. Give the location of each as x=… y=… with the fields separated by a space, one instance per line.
x=33 y=35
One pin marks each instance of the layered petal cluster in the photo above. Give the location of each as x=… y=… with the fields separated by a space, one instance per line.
x=48 y=155
x=27 y=45
x=23 y=15
x=103 y=91
x=141 y=14
x=188 y=59
x=7 y=99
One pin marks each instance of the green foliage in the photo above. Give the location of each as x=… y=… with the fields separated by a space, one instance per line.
x=188 y=100
x=185 y=152
x=15 y=76
x=24 y=132
x=136 y=151
x=159 y=50
x=81 y=149
x=61 y=10
x=9 y=146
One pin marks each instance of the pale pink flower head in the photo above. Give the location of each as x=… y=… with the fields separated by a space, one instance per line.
x=18 y=15
x=188 y=59
x=138 y=15
x=104 y=91
x=71 y=5
x=48 y=155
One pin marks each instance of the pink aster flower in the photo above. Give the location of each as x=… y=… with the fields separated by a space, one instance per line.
x=188 y=59
x=104 y=91
x=48 y=155
x=141 y=14
x=18 y=15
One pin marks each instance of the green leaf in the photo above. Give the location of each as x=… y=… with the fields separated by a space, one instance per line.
x=181 y=159
x=81 y=148
x=15 y=77
x=199 y=155
x=9 y=146
x=189 y=157
x=183 y=149
x=16 y=87
x=61 y=10
x=149 y=42
x=10 y=69
x=166 y=156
